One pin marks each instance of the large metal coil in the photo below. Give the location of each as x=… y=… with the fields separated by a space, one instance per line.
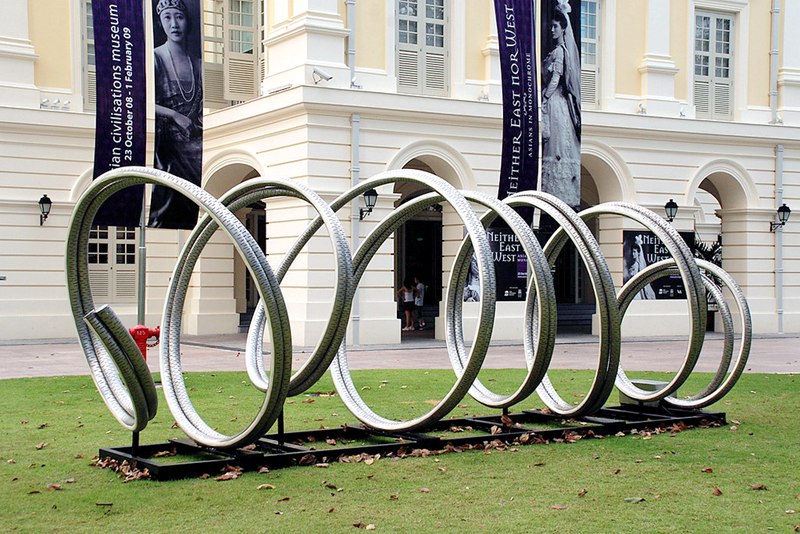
x=124 y=382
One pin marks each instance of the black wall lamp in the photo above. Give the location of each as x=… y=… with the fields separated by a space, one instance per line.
x=671 y=209
x=44 y=206
x=783 y=215
x=370 y=198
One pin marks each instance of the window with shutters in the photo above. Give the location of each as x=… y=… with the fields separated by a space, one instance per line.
x=112 y=263
x=89 y=73
x=231 y=57
x=589 y=53
x=713 y=65
x=241 y=53
x=422 y=47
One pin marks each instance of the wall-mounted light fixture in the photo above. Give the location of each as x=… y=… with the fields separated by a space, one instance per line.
x=671 y=209
x=44 y=206
x=370 y=198
x=783 y=215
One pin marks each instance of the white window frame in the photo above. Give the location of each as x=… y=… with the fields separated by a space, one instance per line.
x=242 y=70
x=113 y=259
x=714 y=72
x=88 y=72
x=740 y=11
x=590 y=72
x=423 y=68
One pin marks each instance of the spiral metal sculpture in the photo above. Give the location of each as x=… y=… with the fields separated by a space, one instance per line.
x=127 y=388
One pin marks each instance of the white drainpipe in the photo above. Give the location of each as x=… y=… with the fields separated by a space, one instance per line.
x=351 y=40
x=355 y=216
x=773 y=56
x=779 y=238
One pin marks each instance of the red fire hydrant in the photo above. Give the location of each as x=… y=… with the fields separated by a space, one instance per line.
x=141 y=334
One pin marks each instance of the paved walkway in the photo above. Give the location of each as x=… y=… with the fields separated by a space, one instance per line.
x=769 y=354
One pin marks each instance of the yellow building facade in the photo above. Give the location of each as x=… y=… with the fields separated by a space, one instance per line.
x=692 y=100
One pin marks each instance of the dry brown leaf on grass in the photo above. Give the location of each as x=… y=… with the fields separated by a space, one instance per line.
x=759 y=487
x=507 y=421
x=424 y=490
x=583 y=492
x=54 y=487
x=716 y=491
x=706 y=470
x=41 y=446
x=558 y=507
x=230 y=475
x=265 y=487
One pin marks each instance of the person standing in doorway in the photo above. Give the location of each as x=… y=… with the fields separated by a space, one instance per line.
x=406 y=296
x=419 y=302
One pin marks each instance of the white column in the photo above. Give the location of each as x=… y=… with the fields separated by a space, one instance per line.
x=749 y=258
x=313 y=36
x=491 y=58
x=17 y=56
x=657 y=68
x=789 y=69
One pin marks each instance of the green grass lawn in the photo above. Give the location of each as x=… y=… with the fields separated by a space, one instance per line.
x=52 y=427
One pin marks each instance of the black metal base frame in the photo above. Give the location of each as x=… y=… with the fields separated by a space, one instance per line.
x=310 y=447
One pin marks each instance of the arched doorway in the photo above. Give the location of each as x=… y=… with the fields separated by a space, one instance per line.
x=418 y=252
x=574 y=296
x=224 y=178
x=719 y=196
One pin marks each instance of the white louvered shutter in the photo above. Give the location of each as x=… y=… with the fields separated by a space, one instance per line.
x=589 y=53
x=213 y=56
x=713 y=66
x=241 y=50
x=422 y=47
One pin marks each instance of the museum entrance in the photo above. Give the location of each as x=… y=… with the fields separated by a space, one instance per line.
x=418 y=252
x=256 y=223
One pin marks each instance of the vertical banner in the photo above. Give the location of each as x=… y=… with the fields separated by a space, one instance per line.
x=177 y=38
x=643 y=248
x=120 y=122
x=519 y=160
x=561 y=100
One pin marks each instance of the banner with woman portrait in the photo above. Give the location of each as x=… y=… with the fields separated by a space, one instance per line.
x=561 y=99
x=519 y=160
x=643 y=248
x=178 y=66
x=121 y=89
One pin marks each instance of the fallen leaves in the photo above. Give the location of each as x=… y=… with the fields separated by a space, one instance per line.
x=716 y=491
x=127 y=471
x=634 y=500
x=706 y=470
x=230 y=473
x=265 y=487
x=364 y=526
x=41 y=446
x=758 y=487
